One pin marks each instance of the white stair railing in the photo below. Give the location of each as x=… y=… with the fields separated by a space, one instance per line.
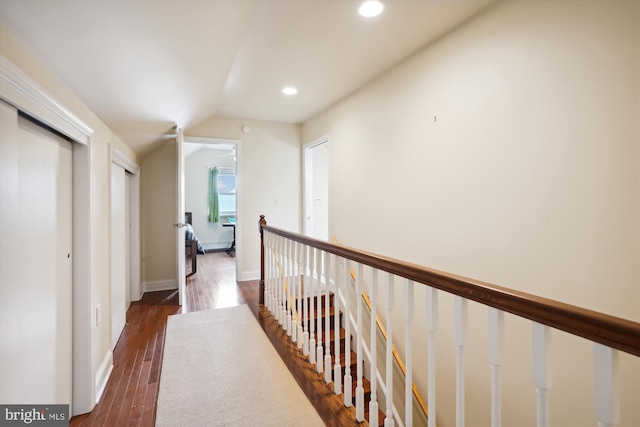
x=359 y=357
x=432 y=326
x=327 y=318
x=337 y=368
x=373 y=402
x=348 y=401
x=319 y=349
x=460 y=337
x=388 y=288
x=300 y=269
x=496 y=349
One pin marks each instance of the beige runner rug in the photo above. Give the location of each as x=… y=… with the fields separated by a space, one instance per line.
x=219 y=369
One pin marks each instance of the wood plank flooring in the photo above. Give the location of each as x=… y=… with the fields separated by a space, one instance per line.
x=131 y=394
x=130 y=397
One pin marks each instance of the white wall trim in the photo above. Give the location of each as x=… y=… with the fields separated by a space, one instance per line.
x=103 y=374
x=244 y=276
x=160 y=285
x=216 y=246
x=120 y=159
x=22 y=92
x=208 y=140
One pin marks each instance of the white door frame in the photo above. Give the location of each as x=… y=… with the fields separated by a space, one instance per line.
x=238 y=148
x=307 y=165
x=180 y=223
x=133 y=228
x=19 y=90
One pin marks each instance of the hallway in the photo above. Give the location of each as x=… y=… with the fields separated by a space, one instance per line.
x=132 y=391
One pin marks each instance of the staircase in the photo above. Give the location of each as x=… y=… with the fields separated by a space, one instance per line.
x=366 y=384
x=285 y=254
x=321 y=394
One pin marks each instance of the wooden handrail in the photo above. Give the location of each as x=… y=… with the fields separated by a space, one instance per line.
x=615 y=332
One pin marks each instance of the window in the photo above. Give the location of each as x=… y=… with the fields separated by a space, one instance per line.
x=227 y=193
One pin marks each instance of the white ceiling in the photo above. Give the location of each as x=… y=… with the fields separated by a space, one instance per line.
x=144 y=65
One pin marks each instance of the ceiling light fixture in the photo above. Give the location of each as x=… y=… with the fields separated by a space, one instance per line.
x=289 y=90
x=370 y=8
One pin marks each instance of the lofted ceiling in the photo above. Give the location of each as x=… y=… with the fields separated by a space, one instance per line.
x=144 y=65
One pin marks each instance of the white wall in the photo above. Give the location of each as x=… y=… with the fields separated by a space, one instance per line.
x=269 y=168
x=509 y=153
x=196 y=177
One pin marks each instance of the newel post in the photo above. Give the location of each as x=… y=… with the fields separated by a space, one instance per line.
x=262 y=223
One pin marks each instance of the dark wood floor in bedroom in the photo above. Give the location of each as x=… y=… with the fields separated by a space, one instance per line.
x=132 y=391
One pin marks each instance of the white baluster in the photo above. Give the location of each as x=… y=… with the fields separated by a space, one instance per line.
x=272 y=275
x=605 y=385
x=460 y=335
x=337 y=369
x=541 y=370
x=295 y=286
x=496 y=349
x=347 y=342
x=279 y=309
x=319 y=350
x=373 y=403
x=299 y=250
x=276 y=278
x=388 y=420
x=327 y=319
x=267 y=270
x=287 y=286
x=432 y=326
x=408 y=382
x=265 y=236
x=305 y=346
x=283 y=285
x=359 y=337
x=313 y=304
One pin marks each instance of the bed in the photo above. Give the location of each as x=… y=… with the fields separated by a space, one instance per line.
x=191 y=243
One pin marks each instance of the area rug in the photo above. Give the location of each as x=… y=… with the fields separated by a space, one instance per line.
x=219 y=369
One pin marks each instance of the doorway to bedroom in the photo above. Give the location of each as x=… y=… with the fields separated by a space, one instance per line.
x=210 y=205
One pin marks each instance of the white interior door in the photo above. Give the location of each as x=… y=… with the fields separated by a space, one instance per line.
x=317 y=189
x=180 y=216
x=35 y=262
x=119 y=231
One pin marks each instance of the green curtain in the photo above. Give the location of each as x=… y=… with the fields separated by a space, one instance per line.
x=214 y=204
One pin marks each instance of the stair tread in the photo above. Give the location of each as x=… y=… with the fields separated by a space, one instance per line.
x=366 y=384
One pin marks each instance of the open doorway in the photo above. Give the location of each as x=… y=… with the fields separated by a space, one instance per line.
x=210 y=167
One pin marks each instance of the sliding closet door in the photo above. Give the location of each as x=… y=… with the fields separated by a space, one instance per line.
x=119 y=229
x=35 y=263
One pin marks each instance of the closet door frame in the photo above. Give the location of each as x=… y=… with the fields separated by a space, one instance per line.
x=20 y=91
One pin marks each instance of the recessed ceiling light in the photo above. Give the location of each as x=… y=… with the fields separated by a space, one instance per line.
x=371 y=8
x=289 y=90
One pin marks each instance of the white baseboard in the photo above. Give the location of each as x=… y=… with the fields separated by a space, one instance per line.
x=216 y=246
x=103 y=374
x=248 y=275
x=160 y=285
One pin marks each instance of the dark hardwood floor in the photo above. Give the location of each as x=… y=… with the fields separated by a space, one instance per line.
x=131 y=394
